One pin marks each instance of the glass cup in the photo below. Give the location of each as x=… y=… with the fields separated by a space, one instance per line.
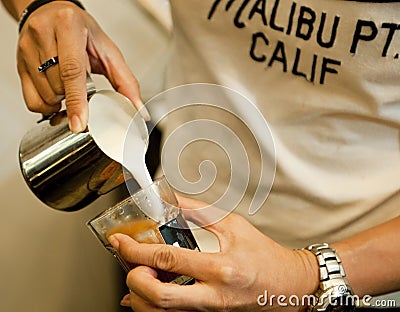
x=167 y=226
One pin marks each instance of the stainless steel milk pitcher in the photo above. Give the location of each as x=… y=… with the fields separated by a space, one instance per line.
x=65 y=170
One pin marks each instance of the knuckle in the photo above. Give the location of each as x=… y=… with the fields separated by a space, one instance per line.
x=160 y=296
x=230 y=274
x=131 y=277
x=71 y=69
x=34 y=107
x=163 y=298
x=36 y=24
x=42 y=108
x=164 y=258
x=68 y=14
x=226 y=274
x=24 y=44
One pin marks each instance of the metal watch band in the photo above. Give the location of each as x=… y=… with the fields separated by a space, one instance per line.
x=333 y=287
x=330 y=264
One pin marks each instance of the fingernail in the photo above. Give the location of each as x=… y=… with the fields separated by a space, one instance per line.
x=75 y=124
x=113 y=241
x=143 y=111
x=126 y=301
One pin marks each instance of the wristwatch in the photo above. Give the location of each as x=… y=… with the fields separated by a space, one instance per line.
x=334 y=293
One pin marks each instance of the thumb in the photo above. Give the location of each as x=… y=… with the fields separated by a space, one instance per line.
x=121 y=241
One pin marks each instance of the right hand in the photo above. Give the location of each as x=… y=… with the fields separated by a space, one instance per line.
x=248 y=267
x=62 y=28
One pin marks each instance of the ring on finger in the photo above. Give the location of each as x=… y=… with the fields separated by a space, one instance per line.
x=46 y=65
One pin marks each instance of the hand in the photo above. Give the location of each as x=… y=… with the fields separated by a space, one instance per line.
x=62 y=28
x=248 y=264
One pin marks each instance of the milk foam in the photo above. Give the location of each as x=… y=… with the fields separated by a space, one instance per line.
x=112 y=123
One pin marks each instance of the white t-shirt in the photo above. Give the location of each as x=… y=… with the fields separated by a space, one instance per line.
x=326 y=76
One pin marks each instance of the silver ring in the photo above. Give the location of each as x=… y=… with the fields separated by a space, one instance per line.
x=46 y=65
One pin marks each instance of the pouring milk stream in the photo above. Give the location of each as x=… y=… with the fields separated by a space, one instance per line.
x=112 y=121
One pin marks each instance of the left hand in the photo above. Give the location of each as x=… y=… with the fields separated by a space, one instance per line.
x=248 y=264
x=61 y=28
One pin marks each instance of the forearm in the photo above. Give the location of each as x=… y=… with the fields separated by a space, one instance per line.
x=371 y=259
x=15 y=7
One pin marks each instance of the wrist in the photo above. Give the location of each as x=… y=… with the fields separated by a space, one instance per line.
x=308 y=275
x=15 y=8
x=310 y=272
x=32 y=6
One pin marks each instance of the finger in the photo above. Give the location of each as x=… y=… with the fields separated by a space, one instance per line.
x=143 y=284
x=72 y=62
x=124 y=82
x=53 y=77
x=138 y=304
x=126 y=301
x=48 y=49
x=166 y=257
x=32 y=98
x=46 y=43
x=28 y=62
x=135 y=301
